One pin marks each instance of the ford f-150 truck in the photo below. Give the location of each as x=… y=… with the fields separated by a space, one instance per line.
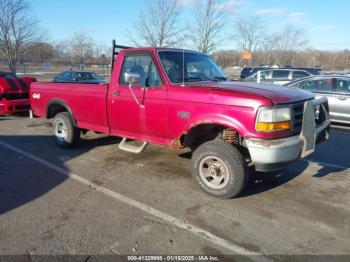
x=14 y=93
x=182 y=99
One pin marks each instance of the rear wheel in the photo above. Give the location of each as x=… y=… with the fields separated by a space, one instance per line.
x=65 y=133
x=219 y=168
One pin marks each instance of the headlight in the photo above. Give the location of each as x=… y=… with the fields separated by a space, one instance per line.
x=273 y=119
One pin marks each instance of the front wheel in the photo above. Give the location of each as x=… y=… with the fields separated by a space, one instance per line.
x=65 y=133
x=219 y=168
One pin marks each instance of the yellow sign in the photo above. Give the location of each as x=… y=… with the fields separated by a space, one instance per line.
x=246 y=55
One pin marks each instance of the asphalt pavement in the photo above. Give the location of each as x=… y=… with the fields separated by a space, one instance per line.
x=96 y=199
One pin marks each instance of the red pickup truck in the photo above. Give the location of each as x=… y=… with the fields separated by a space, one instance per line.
x=14 y=93
x=182 y=99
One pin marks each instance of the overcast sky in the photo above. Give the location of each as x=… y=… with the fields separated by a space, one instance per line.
x=326 y=23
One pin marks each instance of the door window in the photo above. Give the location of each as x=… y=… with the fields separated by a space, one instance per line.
x=264 y=75
x=153 y=77
x=343 y=86
x=299 y=74
x=74 y=76
x=280 y=74
x=322 y=85
x=143 y=66
x=66 y=75
x=298 y=84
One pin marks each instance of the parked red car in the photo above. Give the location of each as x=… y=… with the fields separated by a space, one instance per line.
x=181 y=99
x=14 y=93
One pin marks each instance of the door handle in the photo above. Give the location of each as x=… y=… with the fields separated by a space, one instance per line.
x=342 y=98
x=115 y=93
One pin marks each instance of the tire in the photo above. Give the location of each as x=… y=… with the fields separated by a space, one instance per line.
x=219 y=168
x=65 y=133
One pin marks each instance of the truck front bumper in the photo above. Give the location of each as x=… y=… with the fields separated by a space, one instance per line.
x=14 y=106
x=268 y=155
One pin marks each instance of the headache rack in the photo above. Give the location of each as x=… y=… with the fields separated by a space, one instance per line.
x=115 y=51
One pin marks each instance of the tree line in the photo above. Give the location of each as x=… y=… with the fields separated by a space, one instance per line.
x=160 y=23
x=326 y=60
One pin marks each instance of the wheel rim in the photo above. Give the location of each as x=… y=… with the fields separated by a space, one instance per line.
x=60 y=130
x=214 y=172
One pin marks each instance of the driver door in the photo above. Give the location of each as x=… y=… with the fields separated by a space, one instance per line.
x=342 y=100
x=140 y=109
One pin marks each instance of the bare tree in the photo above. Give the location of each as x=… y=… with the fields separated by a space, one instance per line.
x=101 y=50
x=249 y=33
x=266 y=50
x=17 y=27
x=158 y=24
x=61 y=51
x=209 y=21
x=81 y=47
x=38 y=51
x=328 y=60
x=287 y=42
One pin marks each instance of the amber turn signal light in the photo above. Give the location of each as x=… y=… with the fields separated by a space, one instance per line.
x=273 y=126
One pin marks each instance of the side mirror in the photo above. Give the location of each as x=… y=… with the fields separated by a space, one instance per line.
x=132 y=78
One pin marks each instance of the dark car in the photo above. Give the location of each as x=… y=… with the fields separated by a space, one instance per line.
x=4 y=74
x=337 y=90
x=78 y=77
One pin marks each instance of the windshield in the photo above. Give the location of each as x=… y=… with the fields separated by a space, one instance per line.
x=88 y=76
x=195 y=67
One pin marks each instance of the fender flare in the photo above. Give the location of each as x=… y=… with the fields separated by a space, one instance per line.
x=64 y=105
x=217 y=119
x=214 y=119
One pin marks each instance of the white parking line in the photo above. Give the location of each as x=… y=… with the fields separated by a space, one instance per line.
x=339 y=132
x=144 y=207
x=325 y=164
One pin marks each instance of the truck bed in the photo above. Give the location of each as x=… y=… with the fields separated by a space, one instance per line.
x=87 y=102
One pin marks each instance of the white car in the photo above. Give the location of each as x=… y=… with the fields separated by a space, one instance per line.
x=336 y=88
x=277 y=76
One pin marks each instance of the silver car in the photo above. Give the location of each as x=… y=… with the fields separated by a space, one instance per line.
x=277 y=76
x=336 y=88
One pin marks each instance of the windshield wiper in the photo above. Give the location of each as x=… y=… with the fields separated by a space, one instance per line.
x=217 y=78
x=222 y=78
x=189 y=79
x=195 y=79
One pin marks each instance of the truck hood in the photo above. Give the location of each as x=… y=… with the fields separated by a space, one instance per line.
x=276 y=94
